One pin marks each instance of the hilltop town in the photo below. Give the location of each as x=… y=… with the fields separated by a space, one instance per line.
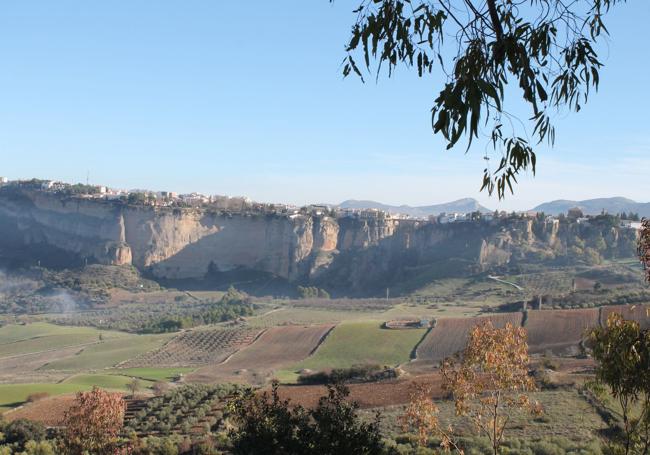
x=244 y=205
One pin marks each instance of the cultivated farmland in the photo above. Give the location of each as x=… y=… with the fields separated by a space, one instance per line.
x=559 y=331
x=105 y=381
x=109 y=353
x=12 y=395
x=449 y=336
x=639 y=313
x=359 y=343
x=275 y=348
x=196 y=347
x=187 y=409
x=49 y=411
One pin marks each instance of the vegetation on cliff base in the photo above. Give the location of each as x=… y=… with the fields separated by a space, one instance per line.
x=232 y=305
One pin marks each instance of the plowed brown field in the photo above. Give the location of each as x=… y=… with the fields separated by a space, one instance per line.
x=368 y=395
x=275 y=348
x=449 y=336
x=639 y=313
x=49 y=411
x=559 y=331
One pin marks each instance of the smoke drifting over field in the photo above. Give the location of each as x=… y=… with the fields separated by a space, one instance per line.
x=27 y=293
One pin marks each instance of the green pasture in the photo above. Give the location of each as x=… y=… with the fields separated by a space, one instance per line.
x=365 y=342
x=105 y=381
x=109 y=352
x=41 y=336
x=12 y=395
x=153 y=374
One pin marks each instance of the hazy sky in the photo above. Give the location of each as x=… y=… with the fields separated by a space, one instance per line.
x=247 y=98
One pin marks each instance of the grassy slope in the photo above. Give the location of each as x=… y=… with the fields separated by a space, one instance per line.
x=566 y=414
x=109 y=353
x=12 y=395
x=105 y=381
x=153 y=374
x=13 y=333
x=355 y=343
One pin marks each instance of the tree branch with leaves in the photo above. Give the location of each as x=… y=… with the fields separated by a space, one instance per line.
x=545 y=48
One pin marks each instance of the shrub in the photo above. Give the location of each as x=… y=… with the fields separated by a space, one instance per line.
x=36 y=396
x=355 y=373
x=20 y=431
x=94 y=421
x=268 y=425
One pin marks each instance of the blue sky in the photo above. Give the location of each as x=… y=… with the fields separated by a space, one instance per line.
x=247 y=98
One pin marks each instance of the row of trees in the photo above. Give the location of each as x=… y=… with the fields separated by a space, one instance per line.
x=234 y=304
x=312 y=292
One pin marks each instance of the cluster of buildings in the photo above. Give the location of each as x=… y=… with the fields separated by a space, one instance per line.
x=241 y=204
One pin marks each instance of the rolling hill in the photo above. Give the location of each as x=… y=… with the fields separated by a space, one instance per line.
x=611 y=205
x=465 y=205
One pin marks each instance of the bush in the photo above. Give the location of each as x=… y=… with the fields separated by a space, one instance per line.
x=268 y=425
x=36 y=396
x=363 y=373
x=20 y=431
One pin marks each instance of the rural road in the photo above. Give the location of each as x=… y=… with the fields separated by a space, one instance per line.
x=496 y=278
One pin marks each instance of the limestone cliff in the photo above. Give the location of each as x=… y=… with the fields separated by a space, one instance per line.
x=346 y=252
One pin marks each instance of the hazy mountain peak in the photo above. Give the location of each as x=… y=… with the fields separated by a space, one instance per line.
x=595 y=206
x=463 y=205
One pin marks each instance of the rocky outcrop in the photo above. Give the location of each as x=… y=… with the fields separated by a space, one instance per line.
x=351 y=252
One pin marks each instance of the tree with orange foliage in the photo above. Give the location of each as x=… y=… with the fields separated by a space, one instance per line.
x=422 y=414
x=491 y=379
x=94 y=422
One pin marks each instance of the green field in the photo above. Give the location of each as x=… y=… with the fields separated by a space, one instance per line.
x=109 y=353
x=40 y=336
x=356 y=343
x=12 y=395
x=153 y=374
x=105 y=381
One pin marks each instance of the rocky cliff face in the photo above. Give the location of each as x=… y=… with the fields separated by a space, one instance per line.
x=187 y=243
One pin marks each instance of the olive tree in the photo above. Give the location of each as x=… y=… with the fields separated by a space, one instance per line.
x=546 y=49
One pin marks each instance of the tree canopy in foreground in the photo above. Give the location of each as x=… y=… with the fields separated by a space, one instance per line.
x=546 y=49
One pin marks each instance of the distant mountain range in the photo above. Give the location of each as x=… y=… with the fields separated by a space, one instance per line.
x=461 y=206
x=612 y=205
x=595 y=206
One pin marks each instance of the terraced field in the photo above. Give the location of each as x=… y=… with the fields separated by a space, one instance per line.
x=559 y=331
x=274 y=349
x=196 y=347
x=449 y=336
